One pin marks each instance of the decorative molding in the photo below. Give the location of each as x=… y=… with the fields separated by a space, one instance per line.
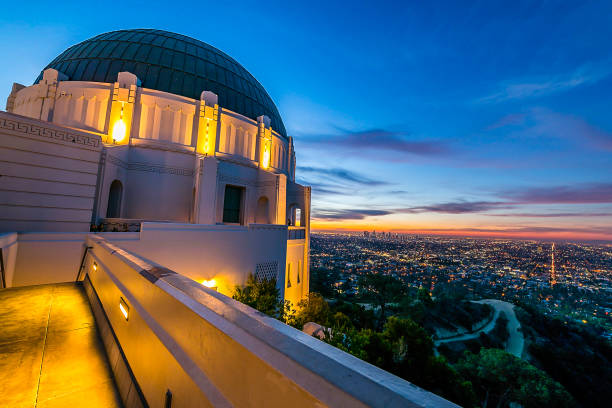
x=244 y=181
x=116 y=161
x=160 y=169
x=154 y=168
x=41 y=131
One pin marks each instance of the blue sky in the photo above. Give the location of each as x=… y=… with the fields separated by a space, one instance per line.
x=486 y=119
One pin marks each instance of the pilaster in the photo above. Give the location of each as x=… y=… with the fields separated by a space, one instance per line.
x=208 y=118
x=122 y=108
x=264 y=139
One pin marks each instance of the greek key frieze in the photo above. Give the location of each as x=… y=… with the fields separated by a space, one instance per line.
x=36 y=130
x=160 y=169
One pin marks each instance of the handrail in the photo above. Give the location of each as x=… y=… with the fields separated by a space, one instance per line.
x=296 y=233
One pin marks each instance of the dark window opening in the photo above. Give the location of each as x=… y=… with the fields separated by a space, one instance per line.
x=114 y=200
x=232 y=204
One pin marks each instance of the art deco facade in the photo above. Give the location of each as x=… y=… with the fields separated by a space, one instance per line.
x=186 y=135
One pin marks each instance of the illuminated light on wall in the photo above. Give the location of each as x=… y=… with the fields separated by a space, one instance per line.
x=125 y=309
x=119 y=130
x=95 y=266
x=119 y=127
x=207 y=142
x=265 y=159
x=210 y=283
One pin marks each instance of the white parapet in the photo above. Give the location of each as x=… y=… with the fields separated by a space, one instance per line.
x=207 y=349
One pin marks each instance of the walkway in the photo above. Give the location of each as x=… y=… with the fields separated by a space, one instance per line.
x=515 y=340
x=50 y=351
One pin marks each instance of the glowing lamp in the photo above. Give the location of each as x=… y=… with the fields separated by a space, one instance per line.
x=95 y=266
x=265 y=160
x=119 y=130
x=210 y=283
x=125 y=309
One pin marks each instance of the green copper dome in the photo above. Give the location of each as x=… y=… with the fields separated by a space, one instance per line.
x=171 y=63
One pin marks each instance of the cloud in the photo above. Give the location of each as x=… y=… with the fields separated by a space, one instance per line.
x=590 y=193
x=553 y=215
x=381 y=141
x=542 y=86
x=342 y=175
x=348 y=214
x=320 y=189
x=544 y=122
x=459 y=207
x=570 y=127
x=532 y=230
x=513 y=119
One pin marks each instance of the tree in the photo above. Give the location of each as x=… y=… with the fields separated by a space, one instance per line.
x=406 y=350
x=261 y=295
x=360 y=317
x=381 y=289
x=312 y=309
x=500 y=378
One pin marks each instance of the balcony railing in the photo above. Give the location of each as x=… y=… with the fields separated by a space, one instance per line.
x=296 y=233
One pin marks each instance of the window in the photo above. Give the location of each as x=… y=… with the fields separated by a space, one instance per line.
x=289 y=275
x=298 y=217
x=299 y=271
x=113 y=210
x=232 y=204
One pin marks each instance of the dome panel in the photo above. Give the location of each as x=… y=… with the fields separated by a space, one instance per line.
x=171 y=63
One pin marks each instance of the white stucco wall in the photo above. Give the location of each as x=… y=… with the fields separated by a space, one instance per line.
x=48 y=175
x=225 y=253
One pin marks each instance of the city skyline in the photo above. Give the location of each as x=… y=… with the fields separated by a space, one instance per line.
x=485 y=121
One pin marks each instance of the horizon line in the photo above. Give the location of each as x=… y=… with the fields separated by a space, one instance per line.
x=472 y=234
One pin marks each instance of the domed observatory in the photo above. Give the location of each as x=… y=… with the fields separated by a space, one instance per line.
x=187 y=136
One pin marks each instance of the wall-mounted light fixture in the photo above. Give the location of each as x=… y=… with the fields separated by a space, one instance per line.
x=119 y=128
x=265 y=159
x=211 y=283
x=95 y=266
x=125 y=309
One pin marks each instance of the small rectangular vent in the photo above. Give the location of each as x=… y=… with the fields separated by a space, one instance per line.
x=266 y=271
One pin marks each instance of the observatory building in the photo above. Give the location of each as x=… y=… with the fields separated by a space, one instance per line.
x=143 y=177
x=157 y=133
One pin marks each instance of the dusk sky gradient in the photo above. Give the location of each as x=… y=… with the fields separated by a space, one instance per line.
x=493 y=119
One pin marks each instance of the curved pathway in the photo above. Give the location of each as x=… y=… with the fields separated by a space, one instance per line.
x=515 y=341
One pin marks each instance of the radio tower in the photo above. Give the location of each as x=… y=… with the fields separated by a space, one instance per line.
x=553 y=278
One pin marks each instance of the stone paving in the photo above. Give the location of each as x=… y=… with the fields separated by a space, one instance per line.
x=50 y=352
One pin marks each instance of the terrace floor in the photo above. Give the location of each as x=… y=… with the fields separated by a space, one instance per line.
x=50 y=352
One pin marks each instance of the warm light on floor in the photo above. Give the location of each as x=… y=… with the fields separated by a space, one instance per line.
x=124 y=308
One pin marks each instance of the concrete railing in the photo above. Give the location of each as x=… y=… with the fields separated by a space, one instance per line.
x=120 y=225
x=205 y=349
x=296 y=233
